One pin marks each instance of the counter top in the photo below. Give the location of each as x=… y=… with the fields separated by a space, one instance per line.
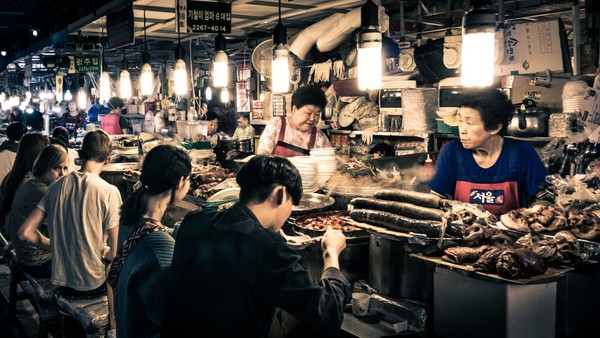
x=367 y=327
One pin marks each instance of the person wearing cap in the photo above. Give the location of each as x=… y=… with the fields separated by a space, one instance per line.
x=114 y=123
x=8 y=148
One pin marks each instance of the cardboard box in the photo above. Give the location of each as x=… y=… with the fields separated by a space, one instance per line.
x=468 y=307
x=590 y=107
x=532 y=47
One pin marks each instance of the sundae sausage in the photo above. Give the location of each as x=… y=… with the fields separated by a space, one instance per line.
x=398 y=222
x=409 y=196
x=401 y=208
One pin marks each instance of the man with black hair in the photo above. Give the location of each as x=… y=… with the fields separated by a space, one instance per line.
x=8 y=148
x=81 y=210
x=232 y=268
x=60 y=135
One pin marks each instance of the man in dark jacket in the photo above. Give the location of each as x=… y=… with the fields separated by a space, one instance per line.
x=8 y=148
x=231 y=269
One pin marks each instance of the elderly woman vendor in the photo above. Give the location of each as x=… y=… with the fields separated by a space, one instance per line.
x=483 y=167
x=297 y=134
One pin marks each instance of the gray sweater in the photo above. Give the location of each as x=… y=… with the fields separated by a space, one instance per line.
x=139 y=295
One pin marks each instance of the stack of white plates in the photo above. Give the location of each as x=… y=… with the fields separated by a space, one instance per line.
x=572 y=105
x=326 y=163
x=308 y=171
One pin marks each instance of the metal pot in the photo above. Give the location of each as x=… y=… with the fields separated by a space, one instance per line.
x=529 y=122
x=245 y=145
x=353 y=260
x=393 y=272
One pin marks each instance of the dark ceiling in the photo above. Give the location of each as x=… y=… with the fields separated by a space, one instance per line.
x=251 y=19
x=18 y=19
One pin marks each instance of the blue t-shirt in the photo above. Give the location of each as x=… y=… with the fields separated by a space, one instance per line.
x=518 y=162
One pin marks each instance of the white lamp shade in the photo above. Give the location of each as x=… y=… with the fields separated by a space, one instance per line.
x=224 y=95
x=280 y=71
x=68 y=95
x=478 y=55
x=147 y=80
x=81 y=98
x=180 y=78
x=220 y=76
x=125 y=84
x=104 y=87
x=369 y=60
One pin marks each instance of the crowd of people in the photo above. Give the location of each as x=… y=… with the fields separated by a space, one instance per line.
x=73 y=228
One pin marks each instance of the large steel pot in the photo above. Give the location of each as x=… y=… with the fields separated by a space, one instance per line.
x=393 y=272
x=354 y=259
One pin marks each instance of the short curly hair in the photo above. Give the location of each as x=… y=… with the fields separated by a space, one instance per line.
x=310 y=94
x=492 y=104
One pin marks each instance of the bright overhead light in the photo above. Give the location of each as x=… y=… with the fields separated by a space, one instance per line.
x=34 y=32
x=81 y=98
x=104 y=87
x=3 y=53
x=224 y=95
x=180 y=78
x=369 y=48
x=147 y=80
x=220 y=76
x=280 y=72
x=478 y=48
x=68 y=95
x=208 y=93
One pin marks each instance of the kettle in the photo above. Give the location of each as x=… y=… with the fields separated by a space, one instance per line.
x=528 y=120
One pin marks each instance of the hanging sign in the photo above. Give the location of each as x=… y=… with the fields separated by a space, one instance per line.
x=59 y=83
x=205 y=17
x=87 y=63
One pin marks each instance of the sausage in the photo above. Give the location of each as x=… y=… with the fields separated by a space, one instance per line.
x=397 y=222
x=400 y=208
x=405 y=224
x=401 y=195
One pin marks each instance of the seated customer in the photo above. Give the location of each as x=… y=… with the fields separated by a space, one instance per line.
x=8 y=148
x=231 y=269
x=82 y=211
x=49 y=165
x=60 y=135
x=140 y=269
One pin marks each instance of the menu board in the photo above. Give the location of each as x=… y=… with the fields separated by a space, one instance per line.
x=119 y=27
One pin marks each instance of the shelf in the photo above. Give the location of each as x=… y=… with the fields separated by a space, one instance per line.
x=533 y=139
x=404 y=133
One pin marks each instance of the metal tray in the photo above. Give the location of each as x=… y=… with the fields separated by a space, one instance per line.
x=310 y=202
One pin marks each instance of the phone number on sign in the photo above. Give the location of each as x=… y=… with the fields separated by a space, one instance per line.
x=207 y=28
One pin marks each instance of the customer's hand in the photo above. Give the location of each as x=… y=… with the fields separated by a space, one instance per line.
x=333 y=241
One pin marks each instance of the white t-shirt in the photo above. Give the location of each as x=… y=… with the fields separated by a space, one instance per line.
x=7 y=159
x=79 y=208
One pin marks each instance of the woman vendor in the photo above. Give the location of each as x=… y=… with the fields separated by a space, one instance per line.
x=114 y=123
x=483 y=167
x=296 y=134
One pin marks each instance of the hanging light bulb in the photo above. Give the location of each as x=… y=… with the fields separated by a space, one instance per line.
x=369 y=48
x=124 y=79
x=68 y=95
x=81 y=98
x=180 y=77
x=59 y=96
x=220 y=77
x=478 y=49
x=208 y=93
x=104 y=87
x=147 y=80
x=224 y=95
x=28 y=94
x=147 y=75
x=280 y=72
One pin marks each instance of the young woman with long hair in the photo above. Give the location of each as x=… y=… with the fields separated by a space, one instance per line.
x=50 y=165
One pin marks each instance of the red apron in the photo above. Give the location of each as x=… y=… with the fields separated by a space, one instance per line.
x=499 y=197
x=289 y=150
x=110 y=124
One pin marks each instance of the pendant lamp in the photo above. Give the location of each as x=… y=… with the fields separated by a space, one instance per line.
x=280 y=73
x=146 y=76
x=478 y=48
x=224 y=95
x=179 y=75
x=124 y=80
x=220 y=76
x=81 y=98
x=369 y=48
x=68 y=95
